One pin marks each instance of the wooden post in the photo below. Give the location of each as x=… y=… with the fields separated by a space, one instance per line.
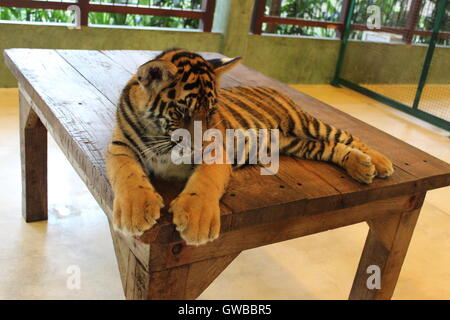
x=84 y=12
x=258 y=14
x=33 y=153
x=411 y=20
x=386 y=246
x=207 y=21
x=275 y=9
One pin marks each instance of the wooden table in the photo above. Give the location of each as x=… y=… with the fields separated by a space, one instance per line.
x=73 y=94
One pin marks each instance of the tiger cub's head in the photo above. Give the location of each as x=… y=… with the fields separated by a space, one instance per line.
x=181 y=86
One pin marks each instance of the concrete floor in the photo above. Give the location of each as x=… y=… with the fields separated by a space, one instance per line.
x=39 y=260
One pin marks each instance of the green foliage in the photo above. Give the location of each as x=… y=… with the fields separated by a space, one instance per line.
x=36 y=15
x=323 y=10
x=60 y=16
x=393 y=14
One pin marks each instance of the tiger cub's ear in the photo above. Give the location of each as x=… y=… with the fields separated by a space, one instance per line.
x=156 y=72
x=223 y=65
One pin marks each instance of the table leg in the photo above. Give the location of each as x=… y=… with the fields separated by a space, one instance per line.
x=33 y=150
x=384 y=252
x=187 y=281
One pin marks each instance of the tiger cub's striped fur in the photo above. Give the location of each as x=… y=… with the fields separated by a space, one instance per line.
x=179 y=87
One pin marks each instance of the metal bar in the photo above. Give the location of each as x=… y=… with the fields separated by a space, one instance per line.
x=84 y=12
x=258 y=15
x=340 y=26
x=362 y=27
x=411 y=20
x=209 y=6
x=399 y=31
x=152 y=11
x=53 y=5
x=86 y=7
x=429 y=33
x=343 y=18
x=343 y=45
x=440 y=10
x=400 y=106
x=301 y=22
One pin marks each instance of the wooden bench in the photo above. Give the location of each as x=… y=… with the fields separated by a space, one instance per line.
x=72 y=94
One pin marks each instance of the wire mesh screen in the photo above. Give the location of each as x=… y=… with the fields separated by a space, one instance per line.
x=392 y=61
x=435 y=98
x=385 y=69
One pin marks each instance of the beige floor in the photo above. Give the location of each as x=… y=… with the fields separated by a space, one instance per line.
x=36 y=259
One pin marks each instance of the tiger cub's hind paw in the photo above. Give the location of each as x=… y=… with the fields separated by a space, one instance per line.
x=382 y=164
x=360 y=166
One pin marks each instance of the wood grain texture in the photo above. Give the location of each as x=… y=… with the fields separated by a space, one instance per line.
x=187 y=281
x=33 y=153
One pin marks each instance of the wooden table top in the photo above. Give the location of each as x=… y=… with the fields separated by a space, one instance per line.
x=74 y=92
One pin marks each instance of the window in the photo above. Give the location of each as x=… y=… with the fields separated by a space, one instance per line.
x=185 y=14
x=404 y=21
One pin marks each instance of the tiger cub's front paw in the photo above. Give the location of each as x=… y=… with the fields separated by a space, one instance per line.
x=196 y=217
x=136 y=209
x=360 y=167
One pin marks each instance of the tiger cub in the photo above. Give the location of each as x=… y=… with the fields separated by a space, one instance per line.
x=179 y=87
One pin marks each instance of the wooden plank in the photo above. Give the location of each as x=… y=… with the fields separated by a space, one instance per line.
x=264 y=234
x=137 y=280
x=245 y=189
x=130 y=277
x=146 y=10
x=101 y=72
x=142 y=282
x=33 y=155
x=301 y=22
x=130 y=59
x=81 y=124
x=55 y=5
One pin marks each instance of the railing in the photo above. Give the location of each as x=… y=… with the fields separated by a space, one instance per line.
x=259 y=18
x=205 y=15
